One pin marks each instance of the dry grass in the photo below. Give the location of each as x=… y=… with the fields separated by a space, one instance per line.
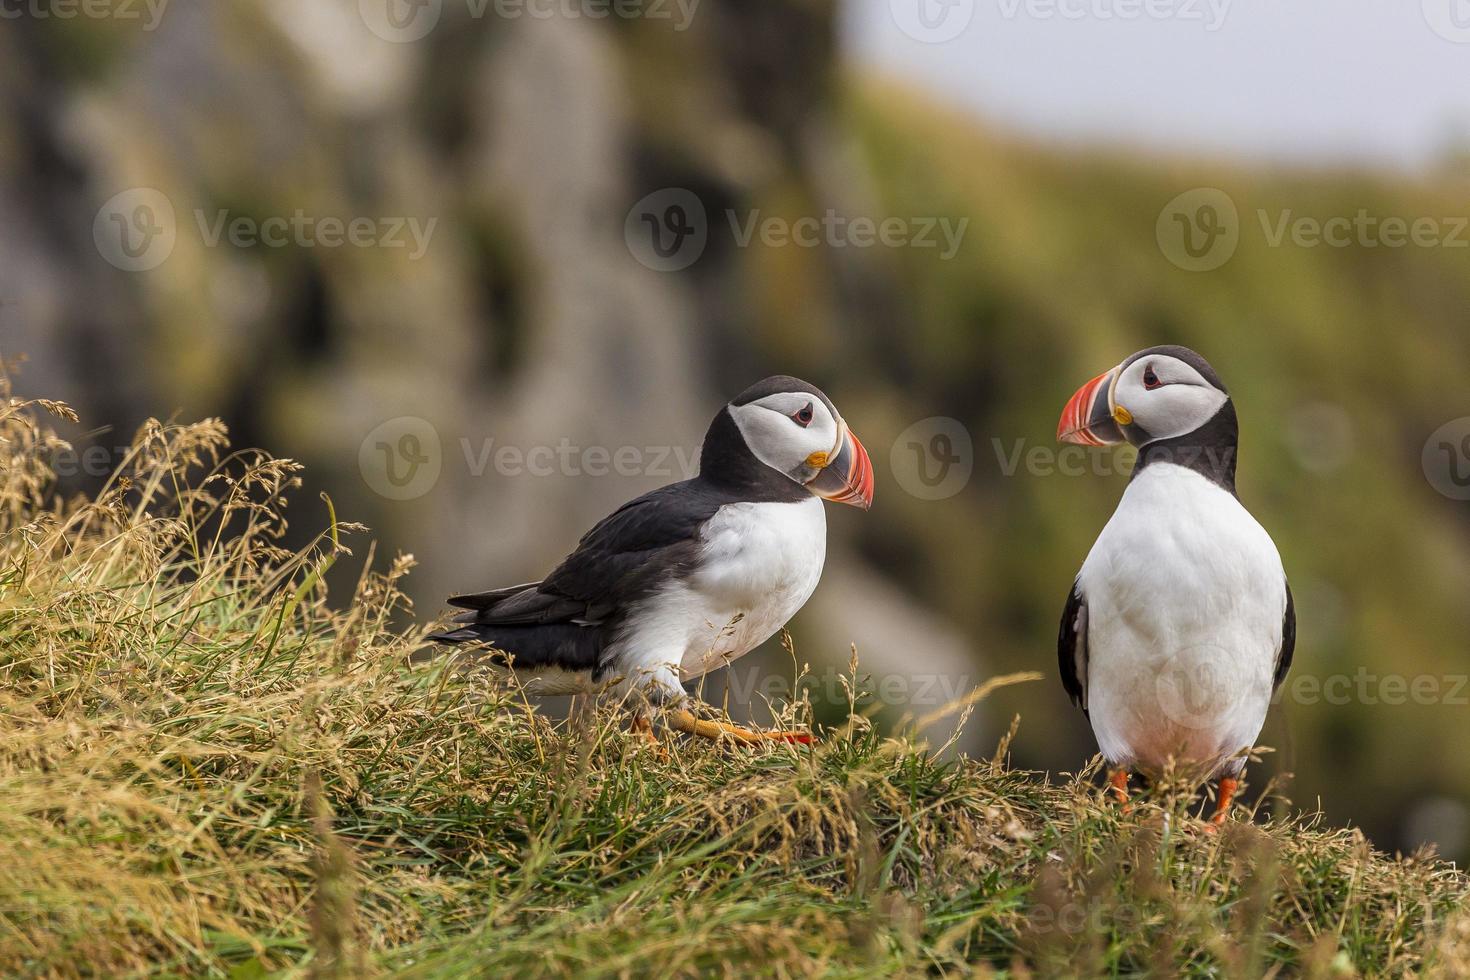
x=205 y=769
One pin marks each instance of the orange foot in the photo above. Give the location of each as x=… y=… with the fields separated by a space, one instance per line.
x=683 y=721
x=1228 y=786
x=1118 y=782
x=644 y=728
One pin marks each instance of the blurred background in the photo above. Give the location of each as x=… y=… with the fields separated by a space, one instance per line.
x=489 y=267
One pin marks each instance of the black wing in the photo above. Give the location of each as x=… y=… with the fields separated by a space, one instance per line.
x=565 y=619
x=1072 y=648
x=1288 y=642
x=637 y=548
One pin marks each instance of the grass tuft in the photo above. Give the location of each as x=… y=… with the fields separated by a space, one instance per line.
x=206 y=769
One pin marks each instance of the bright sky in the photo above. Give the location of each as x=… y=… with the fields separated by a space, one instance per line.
x=1376 y=82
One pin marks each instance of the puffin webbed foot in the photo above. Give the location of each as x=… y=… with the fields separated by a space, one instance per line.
x=682 y=721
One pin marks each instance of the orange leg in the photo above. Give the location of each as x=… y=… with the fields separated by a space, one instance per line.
x=1228 y=786
x=683 y=721
x=1118 y=781
x=644 y=727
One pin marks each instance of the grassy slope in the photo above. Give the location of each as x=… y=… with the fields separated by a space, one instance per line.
x=205 y=770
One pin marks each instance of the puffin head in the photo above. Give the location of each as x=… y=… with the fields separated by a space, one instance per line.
x=1159 y=395
x=786 y=432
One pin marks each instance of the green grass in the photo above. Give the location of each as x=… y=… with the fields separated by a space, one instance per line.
x=207 y=769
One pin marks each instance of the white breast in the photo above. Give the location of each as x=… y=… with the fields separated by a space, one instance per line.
x=1185 y=598
x=759 y=564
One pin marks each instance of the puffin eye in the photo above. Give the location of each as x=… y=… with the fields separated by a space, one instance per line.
x=803 y=418
x=1151 y=380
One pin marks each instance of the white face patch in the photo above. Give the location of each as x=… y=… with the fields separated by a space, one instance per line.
x=1166 y=397
x=773 y=429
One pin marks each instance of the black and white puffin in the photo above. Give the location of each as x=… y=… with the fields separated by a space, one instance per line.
x=1180 y=625
x=685 y=579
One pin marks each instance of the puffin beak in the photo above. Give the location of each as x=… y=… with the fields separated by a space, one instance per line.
x=1089 y=418
x=844 y=475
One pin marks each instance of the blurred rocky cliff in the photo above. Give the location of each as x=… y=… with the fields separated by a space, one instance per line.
x=515 y=318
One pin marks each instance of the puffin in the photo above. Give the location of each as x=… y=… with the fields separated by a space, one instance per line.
x=687 y=578
x=1180 y=625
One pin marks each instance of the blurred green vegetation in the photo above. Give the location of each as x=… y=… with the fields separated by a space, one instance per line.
x=1342 y=362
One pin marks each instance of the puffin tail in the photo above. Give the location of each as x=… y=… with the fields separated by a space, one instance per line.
x=531 y=647
x=487 y=601
x=455 y=636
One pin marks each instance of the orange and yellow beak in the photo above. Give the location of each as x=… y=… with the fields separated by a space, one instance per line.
x=845 y=475
x=1089 y=418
